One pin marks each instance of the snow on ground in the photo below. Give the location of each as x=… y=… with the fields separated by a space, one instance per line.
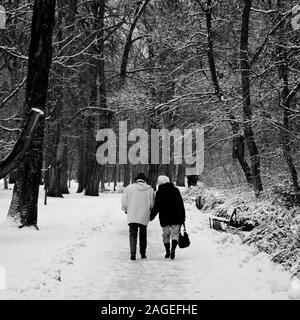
x=82 y=252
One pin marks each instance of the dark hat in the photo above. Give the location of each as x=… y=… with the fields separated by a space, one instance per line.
x=140 y=176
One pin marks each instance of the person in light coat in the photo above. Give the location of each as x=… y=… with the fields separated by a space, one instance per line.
x=137 y=202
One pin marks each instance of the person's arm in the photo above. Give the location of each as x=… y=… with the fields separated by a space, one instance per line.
x=181 y=206
x=152 y=200
x=155 y=208
x=124 y=200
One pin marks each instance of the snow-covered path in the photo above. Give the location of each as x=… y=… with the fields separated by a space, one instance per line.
x=82 y=252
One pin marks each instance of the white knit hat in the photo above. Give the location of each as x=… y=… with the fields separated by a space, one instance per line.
x=162 y=180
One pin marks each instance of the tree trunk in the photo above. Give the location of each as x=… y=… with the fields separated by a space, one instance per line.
x=92 y=185
x=95 y=172
x=153 y=175
x=238 y=152
x=70 y=175
x=92 y=172
x=5 y=183
x=102 y=178
x=180 y=181
x=238 y=140
x=64 y=171
x=59 y=165
x=115 y=176
x=24 y=202
x=81 y=171
x=246 y=95
x=18 y=152
x=123 y=68
x=128 y=43
x=126 y=175
x=55 y=173
x=192 y=180
x=284 y=75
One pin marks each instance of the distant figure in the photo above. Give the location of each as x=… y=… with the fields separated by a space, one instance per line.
x=137 y=201
x=169 y=204
x=192 y=180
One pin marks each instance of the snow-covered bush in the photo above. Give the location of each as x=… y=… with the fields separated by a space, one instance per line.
x=277 y=225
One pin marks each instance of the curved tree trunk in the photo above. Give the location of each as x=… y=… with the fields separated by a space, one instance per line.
x=246 y=94
x=17 y=154
x=23 y=206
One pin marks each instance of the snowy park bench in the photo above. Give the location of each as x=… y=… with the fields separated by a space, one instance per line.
x=222 y=218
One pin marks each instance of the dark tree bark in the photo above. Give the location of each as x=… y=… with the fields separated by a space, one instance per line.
x=128 y=43
x=95 y=172
x=283 y=70
x=92 y=168
x=5 y=183
x=115 y=176
x=17 y=154
x=123 y=68
x=192 y=180
x=54 y=148
x=58 y=184
x=180 y=180
x=12 y=177
x=64 y=171
x=24 y=202
x=81 y=172
x=153 y=175
x=126 y=168
x=55 y=173
x=246 y=95
x=238 y=152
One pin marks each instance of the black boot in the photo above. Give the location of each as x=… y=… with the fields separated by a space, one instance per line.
x=174 y=245
x=167 y=246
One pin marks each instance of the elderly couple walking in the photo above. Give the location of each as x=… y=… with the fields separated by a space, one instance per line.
x=141 y=205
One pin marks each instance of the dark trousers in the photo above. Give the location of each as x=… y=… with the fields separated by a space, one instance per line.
x=133 y=232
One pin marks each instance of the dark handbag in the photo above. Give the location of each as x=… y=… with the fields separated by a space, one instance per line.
x=183 y=241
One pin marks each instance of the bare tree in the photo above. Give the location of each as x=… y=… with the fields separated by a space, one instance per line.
x=23 y=208
x=246 y=94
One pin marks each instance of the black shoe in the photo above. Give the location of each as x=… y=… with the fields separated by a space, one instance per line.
x=172 y=255
x=167 y=246
x=143 y=256
x=132 y=258
x=174 y=245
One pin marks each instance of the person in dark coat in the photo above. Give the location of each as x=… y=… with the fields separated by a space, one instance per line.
x=169 y=204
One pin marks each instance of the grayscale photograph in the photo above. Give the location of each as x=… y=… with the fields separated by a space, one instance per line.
x=149 y=151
